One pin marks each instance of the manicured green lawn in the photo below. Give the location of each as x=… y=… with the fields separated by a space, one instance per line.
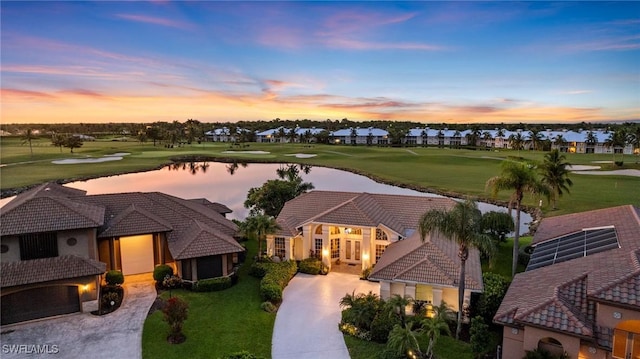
x=219 y=323
x=446 y=348
x=446 y=171
x=502 y=262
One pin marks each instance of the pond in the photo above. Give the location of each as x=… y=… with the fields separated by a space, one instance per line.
x=228 y=184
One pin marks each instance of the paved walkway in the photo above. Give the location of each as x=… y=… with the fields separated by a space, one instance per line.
x=307 y=321
x=84 y=335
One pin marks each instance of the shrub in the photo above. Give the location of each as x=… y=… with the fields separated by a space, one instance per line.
x=366 y=272
x=258 y=270
x=213 y=284
x=480 y=336
x=114 y=277
x=495 y=288
x=172 y=282
x=310 y=266
x=268 y=307
x=110 y=297
x=175 y=313
x=161 y=272
x=382 y=325
x=524 y=254
x=276 y=279
x=242 y=355
x=619 y=163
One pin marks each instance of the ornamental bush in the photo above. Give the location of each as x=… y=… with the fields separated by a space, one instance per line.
x=268 y=307
x=114 y=277
x=276 y=278
x=310 y=266
x=162 y=271
x=213 y=284
x=175 y=313
x=242 y=355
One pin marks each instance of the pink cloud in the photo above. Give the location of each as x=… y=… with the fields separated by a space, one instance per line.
x=156 y=21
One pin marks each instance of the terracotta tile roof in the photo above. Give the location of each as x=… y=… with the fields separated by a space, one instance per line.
x=562 y=296
x=47 y=214
x=434 y=261
x=398 y=212
x=48 y=269
x=200 y=240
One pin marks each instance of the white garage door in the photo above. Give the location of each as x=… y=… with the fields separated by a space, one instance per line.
x=137 y=254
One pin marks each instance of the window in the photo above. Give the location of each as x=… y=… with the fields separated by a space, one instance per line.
x=318 y=248
x=187 y=274
x=625 y=344
x=38 y=245
x=319 y=230
x=380 y=248
x=335 y=230
x=335 y=248
x=279 y=250
x=380 y=235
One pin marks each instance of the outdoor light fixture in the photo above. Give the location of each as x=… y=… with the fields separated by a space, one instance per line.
x=325 y=252
x=85 y=288
x=365 y=256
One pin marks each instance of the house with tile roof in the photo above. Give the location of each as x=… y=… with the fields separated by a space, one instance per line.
x=56 y=242
x=580 y=293
x=362 y=230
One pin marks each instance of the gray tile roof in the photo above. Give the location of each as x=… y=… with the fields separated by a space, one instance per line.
x=133 y=221
x=398 y=212
x=48 y=269
x=562 y=296
x=218 y=207
x=434 y=261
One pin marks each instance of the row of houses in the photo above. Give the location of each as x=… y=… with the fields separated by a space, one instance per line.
x=595 y=141
x=579 y=295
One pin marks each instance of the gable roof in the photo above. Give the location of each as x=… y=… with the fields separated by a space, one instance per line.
x=200 y=240
x=48 y=269
x=46 y=208
x=218 y=207
x=566 y=300
x=399 y=213
x=132 y=221
x=434 y=261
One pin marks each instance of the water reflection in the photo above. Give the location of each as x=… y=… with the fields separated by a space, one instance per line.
x=224 y=183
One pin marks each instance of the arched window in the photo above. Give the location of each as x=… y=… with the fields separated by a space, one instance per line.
x=335 y=230
x=319 y=229
x=381 y=235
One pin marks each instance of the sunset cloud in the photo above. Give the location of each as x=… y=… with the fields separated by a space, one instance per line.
x=155 y=21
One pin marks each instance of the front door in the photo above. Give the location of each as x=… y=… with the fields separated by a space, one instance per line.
x=352 y=250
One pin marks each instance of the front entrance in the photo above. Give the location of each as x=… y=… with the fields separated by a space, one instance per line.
x=137 y=254
x=352 y=250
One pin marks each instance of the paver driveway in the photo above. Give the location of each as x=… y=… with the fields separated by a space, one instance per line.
x=307 y=321
x=115 y=335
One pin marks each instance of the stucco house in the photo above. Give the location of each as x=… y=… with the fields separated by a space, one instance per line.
x=580 y=293
x=361 y=230
x=56 y=242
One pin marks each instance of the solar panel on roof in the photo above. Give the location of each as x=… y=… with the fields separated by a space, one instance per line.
x=575 y=245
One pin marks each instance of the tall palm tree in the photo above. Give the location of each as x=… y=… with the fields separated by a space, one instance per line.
x=617 y=139
x=560 y=142
x=535 y=137
x=260 y=226
x=432 y=328
x=520 y=178
x=463 y=224
x=555 y=174
x=29 y=135
x=516 y=141
x=397 y=306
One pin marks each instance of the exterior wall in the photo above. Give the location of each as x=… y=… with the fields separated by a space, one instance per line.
x=450 y=296
x=590 y=351
x=85 y=245
x=532 y=336
x=397 y=288
x=512 y=342
x=385 y=289
x=609 y=316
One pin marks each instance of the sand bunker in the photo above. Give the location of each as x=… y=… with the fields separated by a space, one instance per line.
x=582 y=168
x=249 y=152
x=633 y=173
x=302 y=155
x=119 y=154
x=74 y=161
x=601 y=161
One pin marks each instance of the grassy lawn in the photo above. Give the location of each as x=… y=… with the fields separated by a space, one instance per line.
x=502 y=261
x=219 y=323
x=446 y=171
x=446 y=348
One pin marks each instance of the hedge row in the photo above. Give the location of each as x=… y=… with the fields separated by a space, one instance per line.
x=310 y=265
x=213 y=284
x=275 y=278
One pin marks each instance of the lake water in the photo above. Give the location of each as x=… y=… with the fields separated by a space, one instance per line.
x=217 y=184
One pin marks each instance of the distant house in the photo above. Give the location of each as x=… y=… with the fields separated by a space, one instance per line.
x=580 y=293
x=360 y=230
x=360 y=136
x=57 y=242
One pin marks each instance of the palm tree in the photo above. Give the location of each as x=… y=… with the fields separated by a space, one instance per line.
x=617 y=139
x=517 y=142
x=433 y=327
x=260 y=226
x=535 y=137
x=555 y=175
x=29 y=135
x=560 y=142
x=403 y=339
x=463 y=224
x=397 y=305
x=520 y=178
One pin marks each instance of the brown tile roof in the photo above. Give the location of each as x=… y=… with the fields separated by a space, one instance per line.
x=48 y=269
x=133 y=221
x=398 y=212
x=562 y=296
x=434 y=261
x=200 y=240
x=44 y=213
x=218 y=207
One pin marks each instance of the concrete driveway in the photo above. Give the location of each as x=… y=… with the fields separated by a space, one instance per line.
x=307 y=321
x=83 y=335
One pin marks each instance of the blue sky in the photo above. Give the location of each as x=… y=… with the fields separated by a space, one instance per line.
x=454 y=62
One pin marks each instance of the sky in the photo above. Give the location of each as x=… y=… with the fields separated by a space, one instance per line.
x=429 y=62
